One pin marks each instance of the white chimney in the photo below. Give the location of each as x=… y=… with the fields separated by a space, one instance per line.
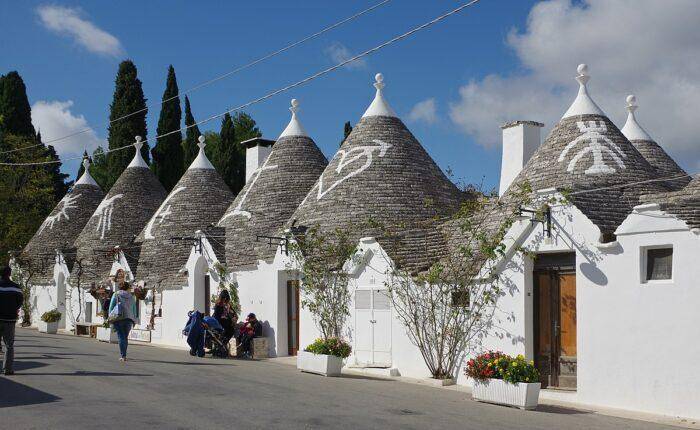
x=520 y=140
x=257 y=150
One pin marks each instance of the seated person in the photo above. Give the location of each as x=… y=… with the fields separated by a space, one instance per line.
x=250 y=330
x=225 y=315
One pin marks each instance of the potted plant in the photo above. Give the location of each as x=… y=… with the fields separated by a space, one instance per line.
x=49 y=321
x=106 y=334
x=504 y=380
x=324 y=356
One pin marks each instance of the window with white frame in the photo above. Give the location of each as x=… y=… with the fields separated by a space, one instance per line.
x=657 y=263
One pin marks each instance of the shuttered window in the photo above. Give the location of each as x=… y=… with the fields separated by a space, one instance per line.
x=659 y=264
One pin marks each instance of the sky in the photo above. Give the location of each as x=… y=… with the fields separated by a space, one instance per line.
x=453 y=84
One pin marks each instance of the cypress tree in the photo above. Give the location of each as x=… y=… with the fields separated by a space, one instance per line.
x=246 y=128
x=229 y=160
x=189 y=145
x=128 y=100
x=346 y=131
x=14 y=106
x=167 y=153
x=57 y=178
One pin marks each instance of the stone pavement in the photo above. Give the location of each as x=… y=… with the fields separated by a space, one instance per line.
x=64 y=382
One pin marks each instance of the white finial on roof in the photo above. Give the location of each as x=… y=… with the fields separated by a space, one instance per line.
x=379 y=106
x=583 y=104
x=201 y=162
x=632 y=130
x=86 y=179
x=294 y=128
x=138 y=160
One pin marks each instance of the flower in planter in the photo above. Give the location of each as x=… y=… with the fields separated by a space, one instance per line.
x=496 y=365
x=331 y=346
x=51 y=316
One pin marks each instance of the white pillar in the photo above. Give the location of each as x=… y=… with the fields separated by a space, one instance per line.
x=520 y=140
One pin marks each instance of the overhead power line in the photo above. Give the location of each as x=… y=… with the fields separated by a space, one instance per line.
x=283 y=89
x=217 y=78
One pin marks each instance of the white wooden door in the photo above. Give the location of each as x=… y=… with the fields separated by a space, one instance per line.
x=372 y=328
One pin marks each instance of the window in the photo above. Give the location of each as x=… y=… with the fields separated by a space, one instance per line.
x=659 y=264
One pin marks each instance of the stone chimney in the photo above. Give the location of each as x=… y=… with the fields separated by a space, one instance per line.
x=257 y=150
x=520 y=140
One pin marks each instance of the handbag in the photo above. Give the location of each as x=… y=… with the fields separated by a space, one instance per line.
x=117 y=312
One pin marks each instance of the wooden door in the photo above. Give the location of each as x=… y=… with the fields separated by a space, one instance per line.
x=555 y=327
x=293 y=317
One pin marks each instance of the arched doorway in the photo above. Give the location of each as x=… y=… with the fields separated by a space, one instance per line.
x=202 y=289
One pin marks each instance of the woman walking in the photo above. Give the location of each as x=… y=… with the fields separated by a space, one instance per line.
x=122 y=312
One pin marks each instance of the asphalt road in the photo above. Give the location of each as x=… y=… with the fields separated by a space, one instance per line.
x=63 y=382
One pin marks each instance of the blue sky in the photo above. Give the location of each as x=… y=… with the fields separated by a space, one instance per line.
x=487 y=65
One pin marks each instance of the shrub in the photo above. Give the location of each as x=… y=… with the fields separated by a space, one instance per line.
x=51 y=316
x=496 y=365
x=331 y=346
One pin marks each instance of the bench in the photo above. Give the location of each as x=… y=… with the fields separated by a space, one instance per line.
x=260 y=347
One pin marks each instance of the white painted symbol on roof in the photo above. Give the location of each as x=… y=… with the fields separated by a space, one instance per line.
x=68 y=202
x=104 y=214
x=160 y=214
x=238 y=210
x=347 y=157
x=599 y=144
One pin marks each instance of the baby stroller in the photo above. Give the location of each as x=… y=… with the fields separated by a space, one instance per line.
x=203 y=331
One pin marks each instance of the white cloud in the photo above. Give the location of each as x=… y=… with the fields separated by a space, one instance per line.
x=67 y=21
x=424 y=111
x=643 y=47
x=54 y=119
x=339 y=53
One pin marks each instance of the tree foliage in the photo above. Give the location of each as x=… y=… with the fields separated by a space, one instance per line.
x=189 y=145
x=168 y=159
x=14 y=106
x=128 y=103
x=347 y=129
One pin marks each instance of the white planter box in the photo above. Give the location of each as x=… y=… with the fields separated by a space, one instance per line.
x=50 y=328
x=105 y=334
x=326 y=365
x=520 y=395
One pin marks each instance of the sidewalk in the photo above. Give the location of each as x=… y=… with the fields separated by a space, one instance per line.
x=551 y=398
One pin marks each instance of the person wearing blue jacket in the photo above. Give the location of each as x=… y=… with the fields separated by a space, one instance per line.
x=126 y=322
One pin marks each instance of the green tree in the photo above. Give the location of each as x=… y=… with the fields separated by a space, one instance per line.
x=167 y=153
x=189 y=145
x=98 y=167
x=229 y=158
x=58 y=179
x=14 y=106
x=129 y=104
x=27 y=194
x=246 y=128
x=347 y=129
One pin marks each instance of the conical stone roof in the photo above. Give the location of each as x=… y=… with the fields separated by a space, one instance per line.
x=664 y=165
x=118 y=219
x=196 y=202
x=587 y=154
x=271 y=195
x=63 y=225
x=684 y=203
x=381 y=173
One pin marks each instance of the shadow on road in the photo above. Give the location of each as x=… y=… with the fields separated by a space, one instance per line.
x=83 y=373
x=560 y=410
x=183 y=363
x=15 y=394
x=365 y=377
